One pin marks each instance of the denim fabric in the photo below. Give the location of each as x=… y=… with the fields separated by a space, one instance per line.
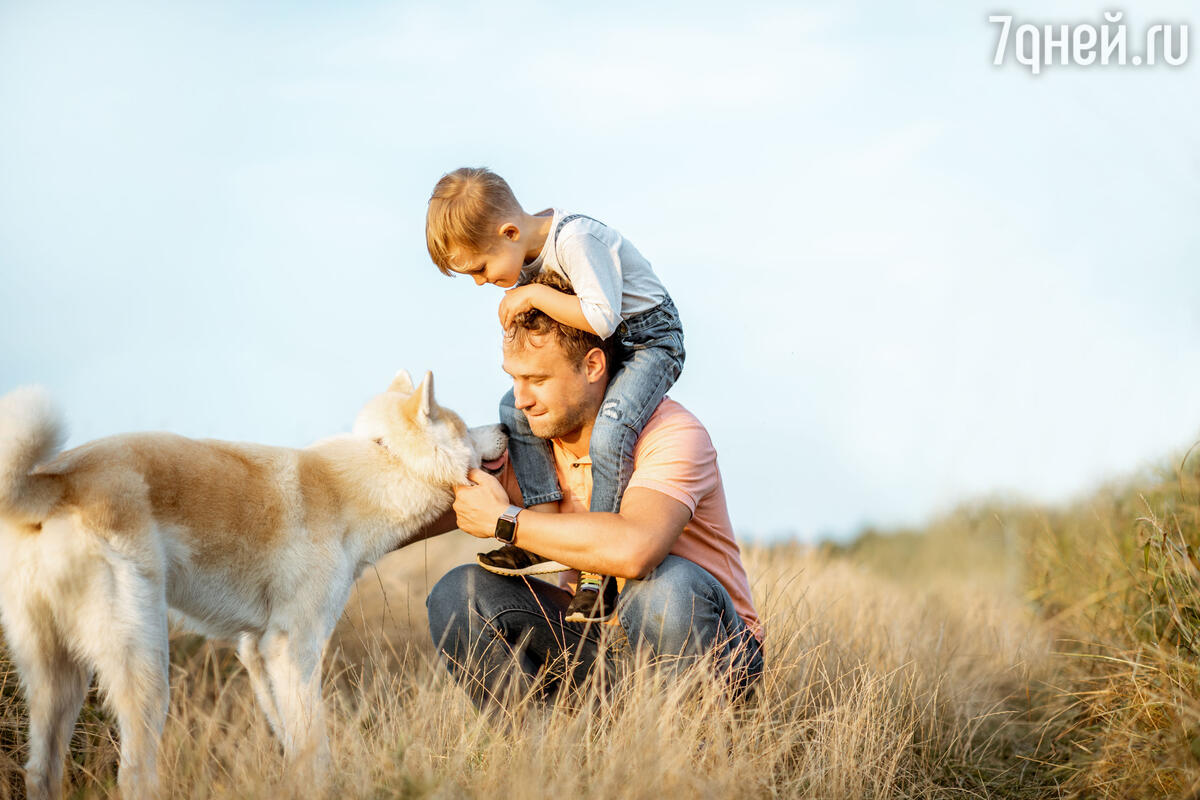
x=650 y=358
x=504 y=638
x=531 y=457
x=680 y=612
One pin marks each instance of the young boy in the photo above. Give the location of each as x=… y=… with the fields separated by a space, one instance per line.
x=476 y=227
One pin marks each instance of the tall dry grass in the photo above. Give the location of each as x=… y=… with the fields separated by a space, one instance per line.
x=1115 y=579
x=874 y=688
x=1119 y=575
x=1001 y=651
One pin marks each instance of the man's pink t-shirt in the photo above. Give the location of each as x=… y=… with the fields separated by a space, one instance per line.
x=673 y=456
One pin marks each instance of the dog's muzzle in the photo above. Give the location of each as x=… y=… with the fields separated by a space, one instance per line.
x=491 y=446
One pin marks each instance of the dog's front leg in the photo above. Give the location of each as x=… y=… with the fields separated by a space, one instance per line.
x=293 y=665
x=251 y=655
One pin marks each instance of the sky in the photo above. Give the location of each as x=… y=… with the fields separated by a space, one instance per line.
x=908 y=278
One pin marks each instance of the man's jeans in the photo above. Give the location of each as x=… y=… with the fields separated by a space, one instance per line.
x=505 y=638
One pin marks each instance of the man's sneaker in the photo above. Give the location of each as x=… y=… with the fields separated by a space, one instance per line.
x=512 y=560
x=595 y=600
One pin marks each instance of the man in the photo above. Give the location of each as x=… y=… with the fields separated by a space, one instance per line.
x=686 y=594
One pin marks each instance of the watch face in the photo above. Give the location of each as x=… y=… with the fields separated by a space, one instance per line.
x=506 y=530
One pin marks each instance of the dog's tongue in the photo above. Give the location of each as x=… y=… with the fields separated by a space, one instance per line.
x=496 y=464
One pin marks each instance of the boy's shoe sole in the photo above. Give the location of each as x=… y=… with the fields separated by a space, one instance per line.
x=579 y=616
x=544 y=568
x=512 y=560
x=590 y=606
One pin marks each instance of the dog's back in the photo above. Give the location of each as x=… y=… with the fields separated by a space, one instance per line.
x=226 y=502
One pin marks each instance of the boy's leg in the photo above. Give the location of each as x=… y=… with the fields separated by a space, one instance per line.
x=532 y=461
x=533 y=466
x=504 y=638
x=634 y=391
x=680 y=613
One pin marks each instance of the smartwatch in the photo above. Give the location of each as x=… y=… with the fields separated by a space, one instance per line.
x=506 y=526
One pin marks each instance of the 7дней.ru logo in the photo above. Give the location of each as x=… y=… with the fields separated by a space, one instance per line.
x=1084 y=44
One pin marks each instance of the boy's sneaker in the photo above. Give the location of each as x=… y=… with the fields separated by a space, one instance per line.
x=593 y=603
x=512 y=560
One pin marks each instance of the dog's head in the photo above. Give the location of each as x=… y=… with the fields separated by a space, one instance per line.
x=433 y=440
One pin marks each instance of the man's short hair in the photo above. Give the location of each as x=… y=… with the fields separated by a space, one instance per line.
x=574 y=342
x=464 y=209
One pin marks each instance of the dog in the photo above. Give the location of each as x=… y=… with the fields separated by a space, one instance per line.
x=246 y=542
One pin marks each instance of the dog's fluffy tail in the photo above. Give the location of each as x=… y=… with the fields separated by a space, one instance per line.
x=31 y=433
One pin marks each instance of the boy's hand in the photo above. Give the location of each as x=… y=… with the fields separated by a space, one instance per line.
x=518 y=301
x=565 y=308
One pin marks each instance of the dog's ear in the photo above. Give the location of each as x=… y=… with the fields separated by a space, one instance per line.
x=420 y=405
x=401 y=383
x=425 y=390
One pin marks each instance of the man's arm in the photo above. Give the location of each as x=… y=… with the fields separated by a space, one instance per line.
x=628 y=544
x=443 y=524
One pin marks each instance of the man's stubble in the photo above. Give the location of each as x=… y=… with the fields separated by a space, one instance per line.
x=551 y=426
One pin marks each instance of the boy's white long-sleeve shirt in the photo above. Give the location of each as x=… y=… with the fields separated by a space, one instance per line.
x=611 y=278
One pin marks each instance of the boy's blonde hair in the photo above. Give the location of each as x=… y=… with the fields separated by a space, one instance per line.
x=464 y=208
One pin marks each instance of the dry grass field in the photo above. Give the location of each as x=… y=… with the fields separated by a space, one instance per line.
x=1003 y=651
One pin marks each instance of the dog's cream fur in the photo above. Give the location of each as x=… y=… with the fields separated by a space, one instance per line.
x=247 y=542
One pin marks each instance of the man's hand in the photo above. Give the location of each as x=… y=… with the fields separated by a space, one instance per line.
x=518 y=301
x=478 y=507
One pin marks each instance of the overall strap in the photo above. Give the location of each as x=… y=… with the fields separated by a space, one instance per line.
x=563 y=222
